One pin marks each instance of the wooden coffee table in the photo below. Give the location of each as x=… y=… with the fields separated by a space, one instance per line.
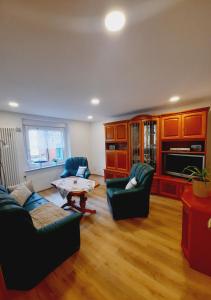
x=83 y=187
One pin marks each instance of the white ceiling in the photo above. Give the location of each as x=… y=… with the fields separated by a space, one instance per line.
x=56 y=55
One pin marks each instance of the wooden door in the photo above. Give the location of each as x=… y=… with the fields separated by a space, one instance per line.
x=121 y=132
x=122 y=160
x=171 y=127
x=110 y=159
x=110 y=133
x=194 y=125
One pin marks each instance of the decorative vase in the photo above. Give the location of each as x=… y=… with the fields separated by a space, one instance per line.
x=201 y=189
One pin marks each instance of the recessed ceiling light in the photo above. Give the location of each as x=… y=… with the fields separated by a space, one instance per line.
x=115 y=20
x=13 y=104
x=95 y=101
x=174 y=98
x=90 y=117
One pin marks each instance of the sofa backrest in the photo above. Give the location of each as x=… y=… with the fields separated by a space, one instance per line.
x=143 y=174
x=73 y=163
x=16 y=225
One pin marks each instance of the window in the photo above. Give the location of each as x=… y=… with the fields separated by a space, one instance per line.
x=45 y=146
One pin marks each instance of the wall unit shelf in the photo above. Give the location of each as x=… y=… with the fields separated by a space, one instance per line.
x=148 y=139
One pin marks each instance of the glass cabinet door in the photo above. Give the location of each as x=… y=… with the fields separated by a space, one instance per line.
x=150 y=141
x=135 y=143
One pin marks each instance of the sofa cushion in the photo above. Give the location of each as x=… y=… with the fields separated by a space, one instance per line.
x=21 y=193
x=131 y=184
x=34 y=201
x=81 y=170
x=47 y=214
x=27 y=183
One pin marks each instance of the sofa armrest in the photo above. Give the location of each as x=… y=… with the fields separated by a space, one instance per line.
x=117 y=182
x=59 y=225
x=87 y=174
x=65 y=173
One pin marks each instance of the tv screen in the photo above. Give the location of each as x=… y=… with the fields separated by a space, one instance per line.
x=174 y=164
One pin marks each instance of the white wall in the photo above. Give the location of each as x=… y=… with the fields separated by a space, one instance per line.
x=78 y=138
x=98 y=148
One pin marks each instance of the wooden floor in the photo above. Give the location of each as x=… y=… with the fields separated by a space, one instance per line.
x=130 y=259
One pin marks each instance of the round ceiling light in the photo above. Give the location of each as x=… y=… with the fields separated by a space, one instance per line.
x=90 y=117
x=115 y=21
x=13 y=104
x=174 y=98
x=95 y=101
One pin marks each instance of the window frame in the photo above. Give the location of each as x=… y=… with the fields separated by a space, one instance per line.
x=30 y=165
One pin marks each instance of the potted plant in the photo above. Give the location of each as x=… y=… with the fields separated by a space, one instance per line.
x=201 y=181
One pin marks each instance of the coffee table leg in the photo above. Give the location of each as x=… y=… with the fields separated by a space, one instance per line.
x=69 y=202
x=83 y=208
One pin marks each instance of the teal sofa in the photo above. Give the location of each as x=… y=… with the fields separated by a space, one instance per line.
x=72 y=164
x=28 y=254
x=134 y=202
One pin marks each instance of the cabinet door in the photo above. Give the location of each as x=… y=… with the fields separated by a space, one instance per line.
x=121 y=132
x=122 y=160
x=171 y=127
x=108 y=174
x=110 y=132
x=110 y=159
x=194 y=125
x=169 y=189
x=155 y=186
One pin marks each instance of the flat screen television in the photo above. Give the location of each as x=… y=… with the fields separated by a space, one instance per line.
x=174 y=164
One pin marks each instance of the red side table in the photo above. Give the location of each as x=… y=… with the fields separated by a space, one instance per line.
x=196 y=231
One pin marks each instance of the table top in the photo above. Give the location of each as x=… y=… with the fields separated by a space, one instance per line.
x=75 y=184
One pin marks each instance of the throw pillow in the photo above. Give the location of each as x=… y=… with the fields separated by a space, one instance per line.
x=131 y=184
x=27 y=183
x=81 y=171
x=21 y=193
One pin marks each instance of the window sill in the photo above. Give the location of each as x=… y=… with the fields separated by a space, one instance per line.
x=43 y=168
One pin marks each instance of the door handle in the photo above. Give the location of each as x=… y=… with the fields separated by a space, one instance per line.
x=209 y=223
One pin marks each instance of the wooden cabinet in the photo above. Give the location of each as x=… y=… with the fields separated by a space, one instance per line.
x=117 y=159
x=149 y=139
x=116 y=132
x=171 y=127
x=108 y=174
x=196 y=231
x=194 y=125
x=122 y=160
x=111 y=159
x=191 y=125
x=169 y=189
x=110 y=133
x=121 y=132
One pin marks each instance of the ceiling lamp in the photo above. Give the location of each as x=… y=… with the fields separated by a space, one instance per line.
x=115 y=21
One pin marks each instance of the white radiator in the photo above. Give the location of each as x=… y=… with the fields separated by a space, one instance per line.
x=9 y=159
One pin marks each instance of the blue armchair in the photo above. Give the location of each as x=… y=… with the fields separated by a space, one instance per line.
x=134 y=202
x=72 y=164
